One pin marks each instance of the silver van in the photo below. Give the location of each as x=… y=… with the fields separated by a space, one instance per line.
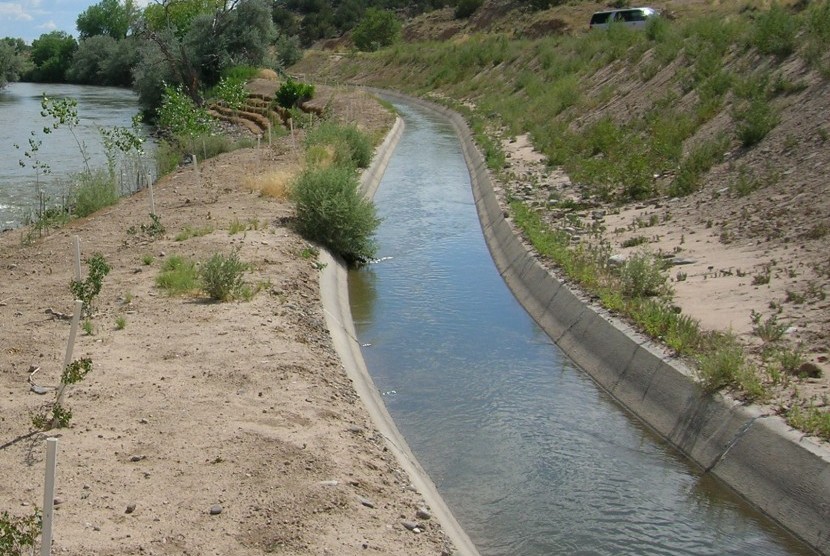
x=630 y=17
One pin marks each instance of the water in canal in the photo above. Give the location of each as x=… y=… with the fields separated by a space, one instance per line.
x=531 y=456
x=20 y=116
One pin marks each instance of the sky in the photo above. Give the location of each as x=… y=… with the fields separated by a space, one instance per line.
x=29 y=19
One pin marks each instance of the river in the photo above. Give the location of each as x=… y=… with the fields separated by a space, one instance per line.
x=20 y=115
x=532 y=457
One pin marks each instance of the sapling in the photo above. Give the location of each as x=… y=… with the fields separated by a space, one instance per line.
x=87 y=290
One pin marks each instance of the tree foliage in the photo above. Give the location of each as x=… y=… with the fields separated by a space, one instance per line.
x=12 y=60
x=51 y=55
x=377 y=29
x=110 y=18
x=102 y=60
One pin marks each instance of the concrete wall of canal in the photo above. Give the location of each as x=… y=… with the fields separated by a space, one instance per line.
x=779 y=470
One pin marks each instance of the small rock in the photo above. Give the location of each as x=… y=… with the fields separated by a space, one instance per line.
x=411 y=526
x=617 y=260
x=137 y=458
x=329 y=483
x=366 y=502
x=130 y=509
x=57 y=501
x=216 y=509
x=423 y=513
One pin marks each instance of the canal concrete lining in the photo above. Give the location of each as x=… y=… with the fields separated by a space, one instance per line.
x=334 y=292
x=779 y=470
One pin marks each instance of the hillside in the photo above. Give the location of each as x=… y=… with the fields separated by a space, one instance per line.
x=702 y=141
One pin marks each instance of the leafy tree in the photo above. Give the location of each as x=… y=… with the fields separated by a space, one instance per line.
x=108 y=17
x=101 y=60
x=377 y=29
x=289 y=51
x=12 y=60
x=178 y=15
x=51 y=55
x=349 y=13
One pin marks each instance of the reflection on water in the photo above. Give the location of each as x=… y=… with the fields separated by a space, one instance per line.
x=531 y=456
x=20 y=117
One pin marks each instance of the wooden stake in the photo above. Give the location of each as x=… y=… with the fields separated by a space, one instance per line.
x=49 y=496
x=152 y=199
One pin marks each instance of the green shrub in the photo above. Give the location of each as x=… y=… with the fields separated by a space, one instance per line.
x=178 y=276
x=351 y=146
x=291 y=93
x=330 y=211
x=699 y=160
x=93 y=191
x=775 y=31
x=179 y=115
x=231 y=91
x=642 y=276
x=221 y=276
x=754 y=120
x=377 y=29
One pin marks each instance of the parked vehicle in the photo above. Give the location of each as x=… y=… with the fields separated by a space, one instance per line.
x=630 y=17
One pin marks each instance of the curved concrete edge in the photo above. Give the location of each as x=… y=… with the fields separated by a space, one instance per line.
x=334 y=292
x=780 y=471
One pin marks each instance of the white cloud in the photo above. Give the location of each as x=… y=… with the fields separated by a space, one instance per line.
x=13 y=11
x=48 y=26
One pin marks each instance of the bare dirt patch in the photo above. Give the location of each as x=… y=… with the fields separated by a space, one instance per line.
x=195 y=404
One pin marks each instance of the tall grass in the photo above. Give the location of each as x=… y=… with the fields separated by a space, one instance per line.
x=93 y=191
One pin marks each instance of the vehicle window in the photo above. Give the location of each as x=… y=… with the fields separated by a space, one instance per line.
x=636 y=15
x=600 y=18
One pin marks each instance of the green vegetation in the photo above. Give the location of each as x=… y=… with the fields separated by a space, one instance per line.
x=57 y=415
x=291 y=93
x=350 y=146
x=178 y=276
x=331 y=211
x=88 y=289
x=377 y=29
x=120 y=322
x=810 y=419
x=221 y=277
x=188 y=232
x=19 y=533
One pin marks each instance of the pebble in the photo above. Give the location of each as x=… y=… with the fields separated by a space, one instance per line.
x=366 y=502
x=130 y=509
x=423 y=513
x=411 y=526
x=216 y=509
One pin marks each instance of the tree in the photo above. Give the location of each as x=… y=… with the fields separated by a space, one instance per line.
x=12 y=61
x=102 y=60
x=178 y=15
x=109 y=18
x=377 y=29
x=51 y=55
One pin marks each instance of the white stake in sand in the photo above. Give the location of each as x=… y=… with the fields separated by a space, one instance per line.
x=152 y=199
x=49 y=496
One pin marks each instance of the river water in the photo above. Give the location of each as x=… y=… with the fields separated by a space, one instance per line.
x=532 y=457
x=20 y=116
